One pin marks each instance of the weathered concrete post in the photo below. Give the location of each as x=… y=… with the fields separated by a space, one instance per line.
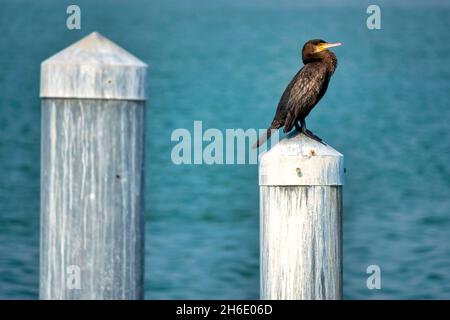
x=301 y=220
x=92 y=172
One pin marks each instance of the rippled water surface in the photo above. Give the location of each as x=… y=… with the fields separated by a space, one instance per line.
x=226 y=63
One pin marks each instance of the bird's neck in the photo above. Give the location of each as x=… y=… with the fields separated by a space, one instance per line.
x=325 y=57
x=331 y=61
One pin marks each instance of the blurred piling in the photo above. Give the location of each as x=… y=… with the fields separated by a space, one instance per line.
x=301 y=220
x=92 y=172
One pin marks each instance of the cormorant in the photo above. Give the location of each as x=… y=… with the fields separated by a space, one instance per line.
x=305 y=90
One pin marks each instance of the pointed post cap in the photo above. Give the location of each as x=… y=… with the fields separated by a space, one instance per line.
x=93 y=68
x=298 y=160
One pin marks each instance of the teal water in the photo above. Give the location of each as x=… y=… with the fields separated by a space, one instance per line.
x=226 y=63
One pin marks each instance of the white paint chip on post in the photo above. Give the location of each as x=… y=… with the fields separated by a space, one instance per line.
x=301 y=220
x=92 y=172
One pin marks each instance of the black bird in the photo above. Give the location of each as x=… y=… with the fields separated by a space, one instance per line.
x=305 y=90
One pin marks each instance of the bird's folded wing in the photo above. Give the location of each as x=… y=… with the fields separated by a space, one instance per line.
x=303 y=95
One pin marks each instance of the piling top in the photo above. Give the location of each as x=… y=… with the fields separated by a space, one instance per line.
x=301 y=161
x=96 y=68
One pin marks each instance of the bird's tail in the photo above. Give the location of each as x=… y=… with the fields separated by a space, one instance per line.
x=266 y=135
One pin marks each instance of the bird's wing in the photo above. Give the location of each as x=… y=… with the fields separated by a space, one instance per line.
x=280 y=114
x=304 y=93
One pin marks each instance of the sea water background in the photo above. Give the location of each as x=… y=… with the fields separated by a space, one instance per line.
x=226 y=63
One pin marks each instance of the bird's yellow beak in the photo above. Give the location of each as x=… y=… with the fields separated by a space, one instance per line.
x=324 y=46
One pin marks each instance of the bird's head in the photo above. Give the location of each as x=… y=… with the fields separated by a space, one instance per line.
x=316 y=50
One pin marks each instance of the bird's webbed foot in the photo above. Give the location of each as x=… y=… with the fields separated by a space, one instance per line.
x=311 y=135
